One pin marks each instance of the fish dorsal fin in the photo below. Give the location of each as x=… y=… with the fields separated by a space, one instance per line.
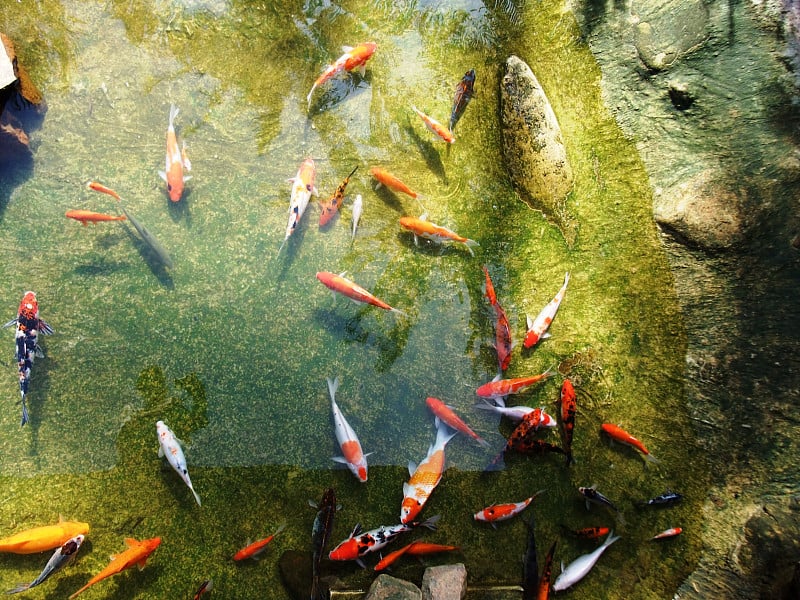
x=347 y=48
x=131 y=542
x=160 y=452
x=356 y=530
x=412 y=466
x=312 y=504
x=141 y=564
x=423 y=217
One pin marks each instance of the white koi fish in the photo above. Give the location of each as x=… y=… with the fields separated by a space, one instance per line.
x=426 y=476
x=517 y=413
x=63 y=555
x=580 y=567
x=537 y=328
x=170 y=446
x=176 y=160
x=358 y=207
x=353 y=456
x=302 y=188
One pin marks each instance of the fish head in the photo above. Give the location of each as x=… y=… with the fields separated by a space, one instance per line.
x=409 y=509
x=359 y=469
x=175 y=182
x=531 y=339
x=71 y=545
x=29 y=307
x=347 y=550
x=149 y=545
x=567 y=391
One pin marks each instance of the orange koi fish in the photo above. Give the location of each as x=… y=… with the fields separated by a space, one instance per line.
x=41 y=539
x=426 y=476
x=667 y=533
x=302 y=188
x=537 y=328
x=353 y=58
x=383 y=177
x=87 y=216
x=620 y=435
x=413 y=549
x=176 y=160
x=589 y=533
x=257 y=547
x=569 y=409
x=445 y=413
x=501 y=512
x=499 y=388
x=355 y=292
x=136 y=553
x=99 y=187
x=439 y=130
x=502 y=329
x=352 y=455
x=421 y=227
x=331 y=207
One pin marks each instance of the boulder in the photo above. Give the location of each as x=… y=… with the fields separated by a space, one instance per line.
x=533 y=146
x=669 y=30
x=446 y=582
x=390 y=588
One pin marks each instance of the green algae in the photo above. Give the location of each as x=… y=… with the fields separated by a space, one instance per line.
x=233 y=346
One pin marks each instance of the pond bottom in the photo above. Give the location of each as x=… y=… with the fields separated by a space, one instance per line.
x=497 y=592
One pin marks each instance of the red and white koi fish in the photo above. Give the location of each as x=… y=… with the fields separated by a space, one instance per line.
x=361 y=543
x=537 y=328
x=620 y=435
x=569 y=408
x=383 y=177
x=421 y=227
x=331 y=206
x=353 y=456
x=667 y=533
x=502 y=328
x=84 y=217
x=342 y=285
x=136 y=553
x=28 y=327
x=176 y=161
x=302 y=188
x=499 y=388
x=580 y=567
x=169 y=446
x=425 y=476
x=588 y=533
x=256 y=548
x=413 y=549
x=353 y=58
x=517 y=413
x=445 y=413
x=501 y=512
x=439 y=130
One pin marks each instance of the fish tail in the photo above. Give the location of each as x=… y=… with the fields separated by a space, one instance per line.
x=399 y=312
x=313 y=87
x=649 y=458
x=483 y=442
x=470 y=244
x=24 y=412
x=333 y=385
x=430 y=523
x=20 y=588
x=196 y=496
x=173 y=112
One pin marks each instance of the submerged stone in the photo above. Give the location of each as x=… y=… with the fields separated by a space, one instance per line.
x=533 y=146
x=445 y=582
x=391 y=588
x=669 y=30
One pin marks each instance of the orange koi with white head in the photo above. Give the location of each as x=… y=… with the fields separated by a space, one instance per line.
x=439 y=130
x=176 y=160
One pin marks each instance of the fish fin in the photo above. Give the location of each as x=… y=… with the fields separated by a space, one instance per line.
x=649 y=458
x=312 y=504
x=412 y=466
x=186 y=178
x=528 y=322
x=10 y=323
x=360 y=563
x=187 y=164
x=163 y=175
x=196 y=496
x=340 y=459
x=347 y=49
x=21 y=587
x=173 y=112
x=356 y=530
x=407 y=490
x=362 y=70
x=430 y=523
x=44 y=328
x=470 y=244
x=160 y=452
x=24 y=413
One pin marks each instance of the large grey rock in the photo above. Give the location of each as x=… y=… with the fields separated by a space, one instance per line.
x=391 y=588
x=669 y=30
x=533 y=146
x=446 y=582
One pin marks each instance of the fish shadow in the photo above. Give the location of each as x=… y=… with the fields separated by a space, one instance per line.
x=338 y=90
x=179 y=211
x=391 y=199
x=429 y=152
x=288 y=253
x=151 y=259
x=425 y=246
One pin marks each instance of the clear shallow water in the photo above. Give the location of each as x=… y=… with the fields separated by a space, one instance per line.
x=232 y=347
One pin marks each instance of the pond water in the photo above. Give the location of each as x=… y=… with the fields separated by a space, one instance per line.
x=232 y=346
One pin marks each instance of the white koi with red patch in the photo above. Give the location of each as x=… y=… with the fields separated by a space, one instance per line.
x=537 y=328
x=353 y=456
x=170 y=446
x=517 y=413
x=302 y=188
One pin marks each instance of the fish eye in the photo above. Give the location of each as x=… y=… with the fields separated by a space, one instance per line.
x=308 y=187
x=169 y=187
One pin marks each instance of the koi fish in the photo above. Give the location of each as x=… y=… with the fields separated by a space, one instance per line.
x=439 y=130
x=331 y=206
x=668 y=498
x=58 y=561
x=530 y=564
x=501 y=512
x=517 y=413
x=522 y=441
x=499 y=388
x=44 y=538
x=502 y=329
x=589 y=533
x=667 y=533
x=425 y=476
x=170 y=446
x=256 y=548
x=383 y=177
x=581 y=566
x=445 y=413
x=99 y=187
x=620 y=435
x=358 y=207
x=28 y=327
x=353 y=456
x=353 y=58
x=543 y=590
x=592 y=495
x=361 y=543
x=338 y=283
x=537 y=328
x=413 y=549
x=569 y=409
x=421 y=227
x=464 y=91
x=204 y=588
x=176 y=160
x=87 y=216
x=136 y=553
x=320 y=533
x=302 y=188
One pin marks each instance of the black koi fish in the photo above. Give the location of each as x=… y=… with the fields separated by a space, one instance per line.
x=464 y=91
x=668 y=498
x=592 y=495
x=320 y=533
x=530 y=565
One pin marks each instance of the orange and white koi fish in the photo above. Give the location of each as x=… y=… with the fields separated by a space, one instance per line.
x=41 y=539
x=499 y=388
x=502 y=328
x=517 y=413
x=342 y=285
x=569 y=408
x=537 y=328
x=618 y=434
x=176 y=160
x=667 y=533
x=302 y=188
x=361 y=543
x=425 y=476
x=352 y=455
x=87 y=216
x=421 y=227
x=331 y=206
x=253 y=550
x=439 y=130
x=501 y=512
x=445 y=413
x=353 y=58
x=413 y=549
x=383 y=177
x=136 y=553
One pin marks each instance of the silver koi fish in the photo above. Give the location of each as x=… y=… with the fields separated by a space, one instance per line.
x=170 y=446
x=61 y=557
